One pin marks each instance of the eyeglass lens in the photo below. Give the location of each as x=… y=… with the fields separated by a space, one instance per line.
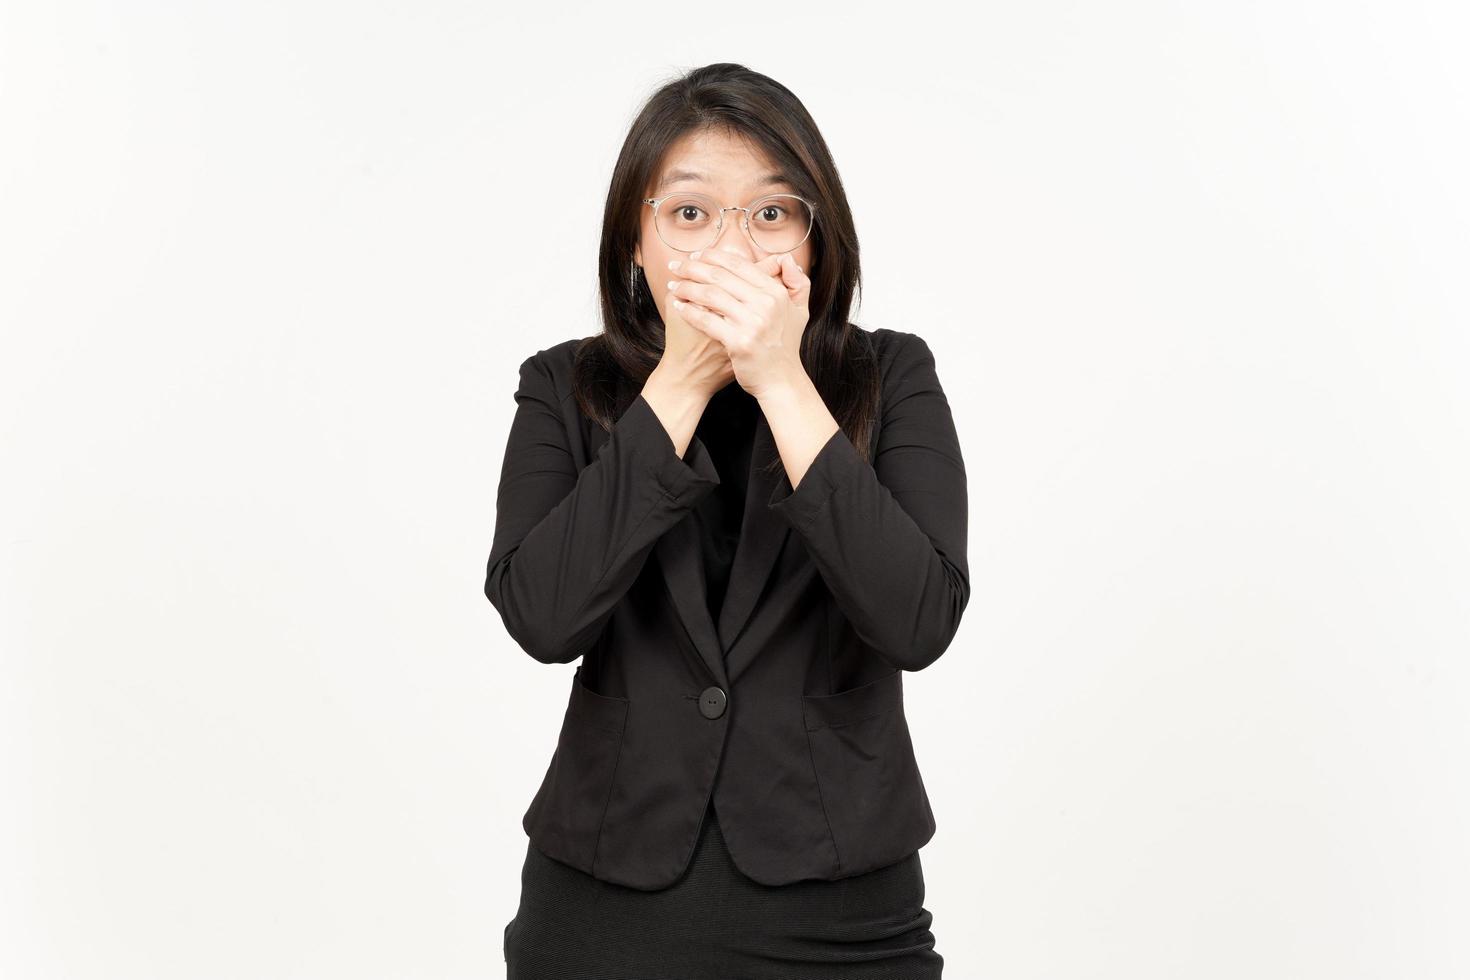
x=689 y=222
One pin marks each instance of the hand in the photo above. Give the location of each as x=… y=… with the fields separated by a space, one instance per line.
x=692 y=359
x=756 y=310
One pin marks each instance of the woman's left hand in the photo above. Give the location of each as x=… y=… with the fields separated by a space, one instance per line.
x=757 y=310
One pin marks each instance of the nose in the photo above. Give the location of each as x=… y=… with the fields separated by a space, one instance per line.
x=732 y=236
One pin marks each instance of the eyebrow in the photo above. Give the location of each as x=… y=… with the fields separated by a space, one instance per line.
x=674 y=176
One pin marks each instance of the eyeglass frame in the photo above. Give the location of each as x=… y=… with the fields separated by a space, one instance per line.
x=744 y=220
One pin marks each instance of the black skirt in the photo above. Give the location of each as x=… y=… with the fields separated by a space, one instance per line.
x=714 y=923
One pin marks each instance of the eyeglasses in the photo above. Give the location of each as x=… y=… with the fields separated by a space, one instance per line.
x=688 y=222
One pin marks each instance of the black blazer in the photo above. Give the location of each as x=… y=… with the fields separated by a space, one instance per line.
x=789 y=710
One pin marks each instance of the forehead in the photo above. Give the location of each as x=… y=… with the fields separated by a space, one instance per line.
x=716 y=160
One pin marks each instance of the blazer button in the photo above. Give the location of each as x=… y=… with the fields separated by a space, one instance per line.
x=712 y=702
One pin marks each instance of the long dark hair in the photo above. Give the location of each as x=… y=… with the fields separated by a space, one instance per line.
x=611 y=367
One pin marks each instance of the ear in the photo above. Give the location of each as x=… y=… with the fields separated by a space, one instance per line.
x=638 y=255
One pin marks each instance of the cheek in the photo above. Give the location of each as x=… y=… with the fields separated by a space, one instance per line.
x=655 y=261
x=658 y=285
x=652 y=246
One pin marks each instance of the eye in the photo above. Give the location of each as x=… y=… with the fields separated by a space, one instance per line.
x=689 y=210
x=772 y=212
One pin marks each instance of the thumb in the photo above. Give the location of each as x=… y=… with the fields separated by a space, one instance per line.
x=795 y=280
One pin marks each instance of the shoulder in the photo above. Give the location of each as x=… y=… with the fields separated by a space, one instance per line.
x=557 y=357
x=550 y=368
x=900 y=354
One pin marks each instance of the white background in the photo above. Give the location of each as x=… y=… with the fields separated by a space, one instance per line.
x=1195 y=276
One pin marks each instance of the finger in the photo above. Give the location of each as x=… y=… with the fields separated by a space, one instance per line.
x=707 y=295
x=739 y=277
x=793 y=277
x=706 y=322
x=771 y=265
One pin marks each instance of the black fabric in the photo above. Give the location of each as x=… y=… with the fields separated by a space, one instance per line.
x=715 y=922
x=727 y=429
x=787 y=710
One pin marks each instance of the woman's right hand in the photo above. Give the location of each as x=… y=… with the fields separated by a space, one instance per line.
x=693 y=367
x=697 y=360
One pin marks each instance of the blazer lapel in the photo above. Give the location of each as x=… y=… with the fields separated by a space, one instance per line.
x=681 y=561
x=682 y=565
x=762 y=532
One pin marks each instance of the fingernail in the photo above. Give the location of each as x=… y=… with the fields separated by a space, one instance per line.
x=673 y=263
x=695 y=255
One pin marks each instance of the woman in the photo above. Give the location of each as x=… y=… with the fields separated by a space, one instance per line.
x=733 y=792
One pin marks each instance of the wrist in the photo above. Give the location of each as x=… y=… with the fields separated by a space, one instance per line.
x=789 y=392
x=674 y=389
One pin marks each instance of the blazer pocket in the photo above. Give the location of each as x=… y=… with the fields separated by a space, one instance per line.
x=869 y=779
x=565 y=816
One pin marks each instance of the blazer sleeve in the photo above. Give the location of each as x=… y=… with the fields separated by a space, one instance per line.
x=568 y=544
x=889 y=537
